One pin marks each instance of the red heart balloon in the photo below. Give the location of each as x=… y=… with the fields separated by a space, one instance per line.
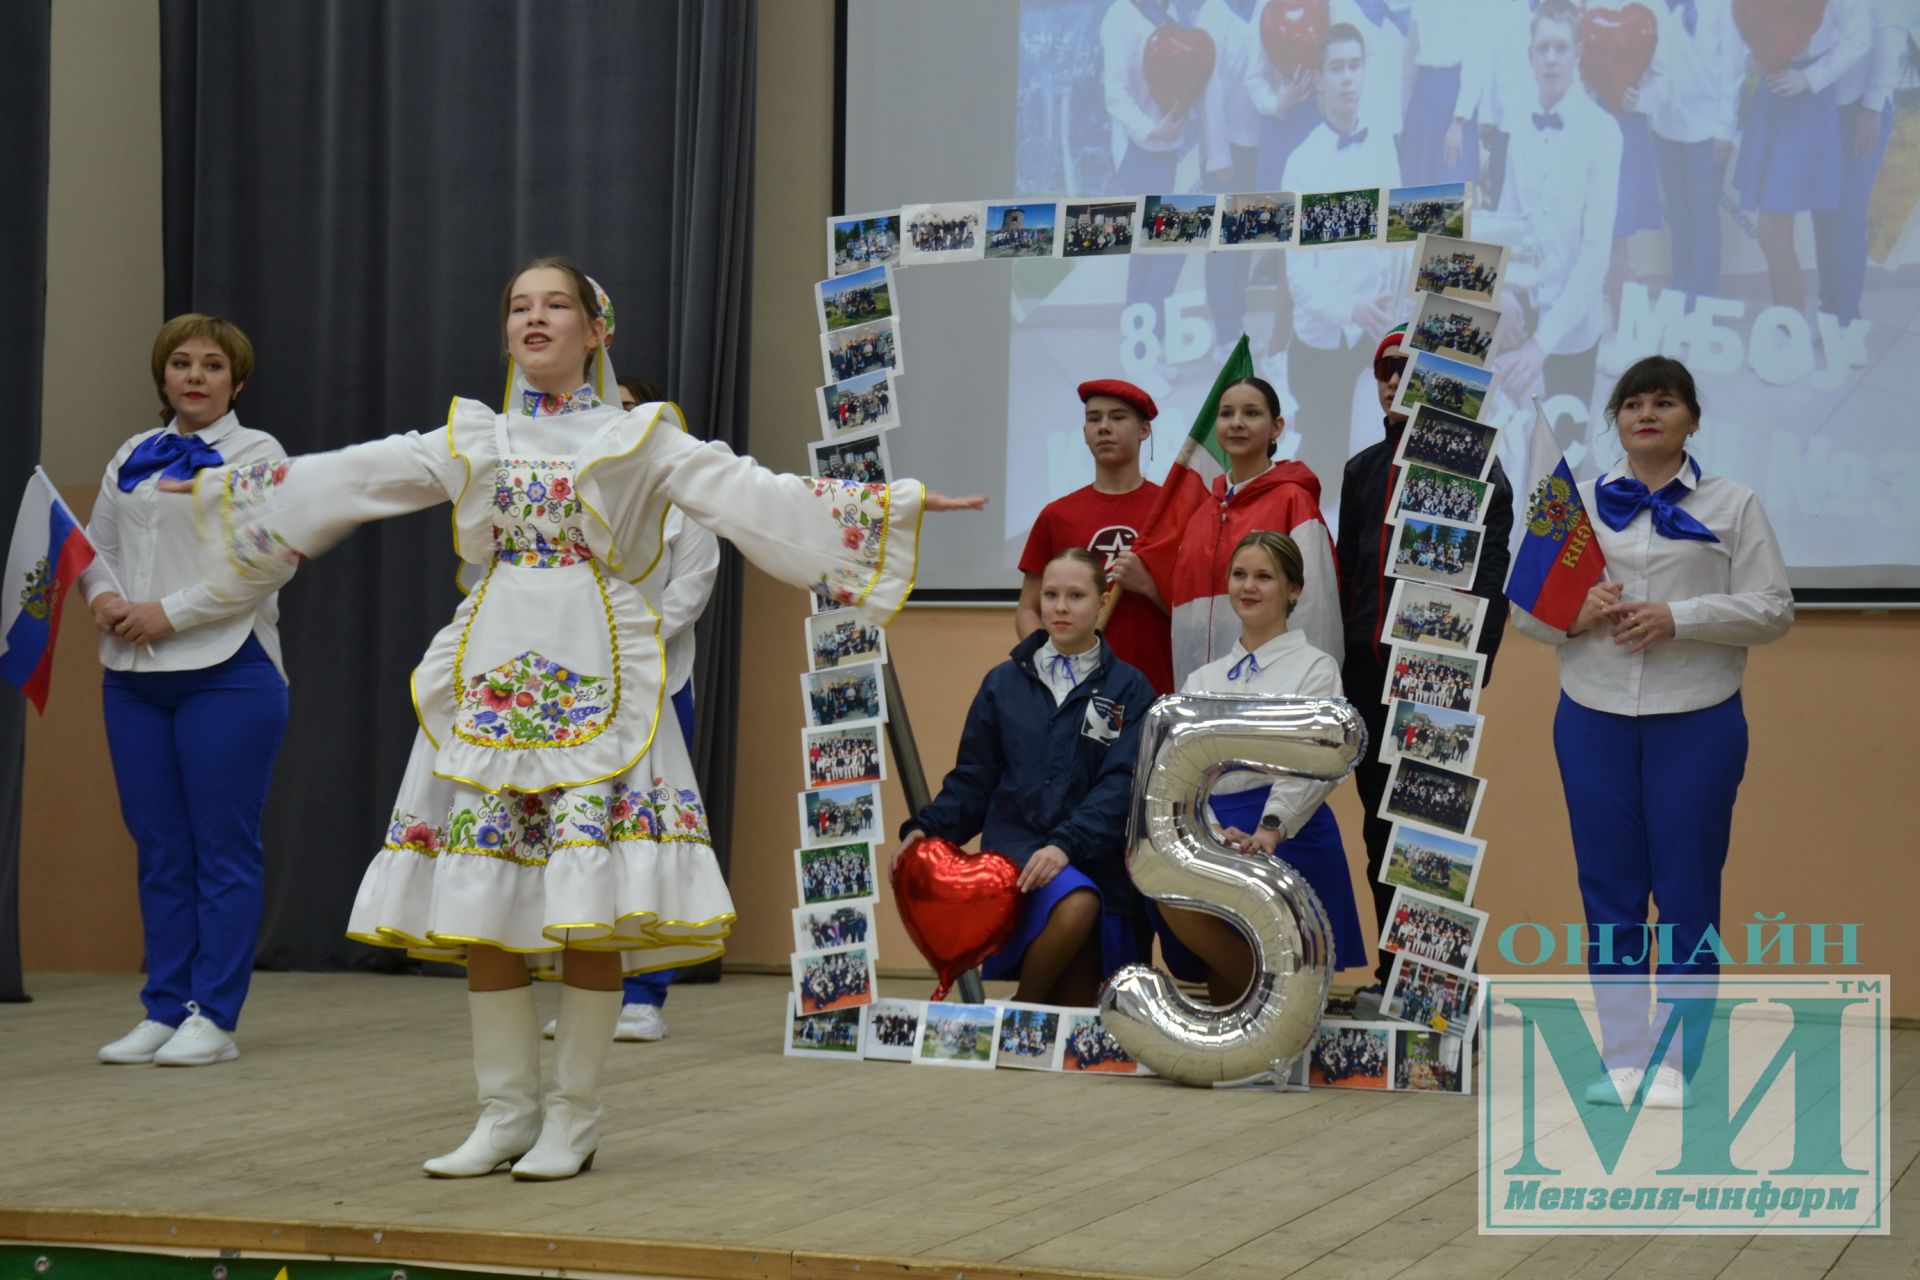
x=1778 y=30
x=1291 y=34
x=1178 y=62
x=959 y=908
x=1616 y=48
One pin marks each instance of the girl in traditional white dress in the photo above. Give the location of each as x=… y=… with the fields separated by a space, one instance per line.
x=542 y=822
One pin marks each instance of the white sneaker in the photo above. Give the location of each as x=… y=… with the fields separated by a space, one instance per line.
x=198 y=1043
x=640 y=1022
x=1668 y=1091
x=139 y=1044
x=1616 y=1088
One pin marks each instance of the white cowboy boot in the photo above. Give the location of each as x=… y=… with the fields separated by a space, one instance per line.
x=506 y=1063
x=570 y=1129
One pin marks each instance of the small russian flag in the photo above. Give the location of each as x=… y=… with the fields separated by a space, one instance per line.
x=1559 y=560
x=50 y=549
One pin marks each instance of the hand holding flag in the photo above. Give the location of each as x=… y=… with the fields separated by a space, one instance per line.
x=50 y=550
x=1559 y=561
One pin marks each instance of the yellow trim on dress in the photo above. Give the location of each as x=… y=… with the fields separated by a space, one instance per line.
x=913 y=574
x=581 y=475
x=613 y=642
x=466 y=462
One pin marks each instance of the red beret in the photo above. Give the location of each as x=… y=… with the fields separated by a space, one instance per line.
x=1122 y=391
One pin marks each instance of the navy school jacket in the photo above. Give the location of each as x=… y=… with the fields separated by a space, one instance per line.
x=1029 y=774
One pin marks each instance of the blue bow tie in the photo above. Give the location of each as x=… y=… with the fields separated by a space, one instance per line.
x=175 y=456
x=1691 y=18
x=1546 y=120
x=1619 y=501
x=1247 y=666
x=1060 y=665
x=1353 y=139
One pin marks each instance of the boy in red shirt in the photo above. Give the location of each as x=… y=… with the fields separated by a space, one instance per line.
x=1105 y=517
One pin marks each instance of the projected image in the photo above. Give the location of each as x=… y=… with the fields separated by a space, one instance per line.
x=1751 y=207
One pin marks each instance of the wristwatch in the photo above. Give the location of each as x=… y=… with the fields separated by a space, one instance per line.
x=1268 y=822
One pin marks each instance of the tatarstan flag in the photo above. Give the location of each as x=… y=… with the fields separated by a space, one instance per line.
x=1559 y=560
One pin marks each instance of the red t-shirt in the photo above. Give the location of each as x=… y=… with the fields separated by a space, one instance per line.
x=1106 y=524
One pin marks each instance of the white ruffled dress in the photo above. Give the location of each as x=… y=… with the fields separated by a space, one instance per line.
x=542 y=807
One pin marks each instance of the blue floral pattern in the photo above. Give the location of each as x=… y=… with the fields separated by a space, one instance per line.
x=539 y=510
x=533 y=701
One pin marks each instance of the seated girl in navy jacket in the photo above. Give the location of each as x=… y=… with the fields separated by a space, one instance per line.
x=1045 y=776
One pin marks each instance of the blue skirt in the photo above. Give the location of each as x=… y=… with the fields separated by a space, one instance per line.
x=1116 y=931
x=1423 y=138
x=1639 y=207
x=1791 y=152
x=1316 y=853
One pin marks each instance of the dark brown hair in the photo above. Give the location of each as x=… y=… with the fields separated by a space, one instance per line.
x=1272 y=398
x=1652 y=375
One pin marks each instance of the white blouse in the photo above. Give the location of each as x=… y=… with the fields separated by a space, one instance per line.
x=1285 y=666
x=1061 y=683
x=1725 y=596
x=145 y=540
x=681 y=586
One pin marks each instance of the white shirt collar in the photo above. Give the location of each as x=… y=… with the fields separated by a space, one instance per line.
x=214 y=432
x=1689 y=472
x=1270 y=652
x=1082 y=662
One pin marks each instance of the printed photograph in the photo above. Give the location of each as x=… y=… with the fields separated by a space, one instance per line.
x=893 y=1029
x=844 y=301
x=1436 y=617
x=1449 y=442
x=862 y=348
x=1436 y=551
x=1029 y=1037
x=860 y=459
x=820 y=600
x=1339 y=217
x=1446 y=384
x=835 y=642
x=1428 y=1062
x=858 y=403
x=1262 y=220
x=1450 y=681
x=844 y=753
x=1351 y=1055
x=835 y=815
x=1444 y=866
x=1428 y=928
x=1016 y=230
x=835 y=872
x=1450 y=739
x=1458 y=330
x=1432 y=796
x=1176 y=224
x=822 y=1035
x=1433 y=995
x=844 y=924
x=857 y=242
x=843 y=694
x=829 y=980
x=958 y=1035
x=1437 y=209
x=942 y=233
x=1091 y=1049
x=1103 y=229
x=1428 y=491
x=1456 y=268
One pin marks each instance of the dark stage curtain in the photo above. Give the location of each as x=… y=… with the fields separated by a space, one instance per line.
x=25 y=56
x=353 y=182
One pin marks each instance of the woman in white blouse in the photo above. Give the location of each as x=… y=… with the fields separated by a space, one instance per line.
x=1650 y=735
x=196 y=702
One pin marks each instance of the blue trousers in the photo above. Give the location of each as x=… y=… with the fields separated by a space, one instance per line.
x=1691 y=181
x=192 y=754
x=1650 y=799
x=651 y=988
x=1840 y=237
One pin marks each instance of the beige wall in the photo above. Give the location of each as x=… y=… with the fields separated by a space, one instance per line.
x=1819 y=833
x=104 y=270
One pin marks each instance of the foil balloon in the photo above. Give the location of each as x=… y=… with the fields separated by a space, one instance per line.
x=959 y=908
x=1616 y=48
x=1291 y=32
x=1187 y=742
x=1777 y=33
x=1177 y=63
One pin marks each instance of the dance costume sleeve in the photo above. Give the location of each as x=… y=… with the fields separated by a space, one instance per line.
x=1758 y=606
x=960 y=810
x=192 y=605
x=260 y=520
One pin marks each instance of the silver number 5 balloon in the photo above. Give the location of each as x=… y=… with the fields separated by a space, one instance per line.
x=1188 y=741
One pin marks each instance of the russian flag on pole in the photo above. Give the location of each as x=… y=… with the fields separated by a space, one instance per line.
x=49 y=551
x=1559 y=560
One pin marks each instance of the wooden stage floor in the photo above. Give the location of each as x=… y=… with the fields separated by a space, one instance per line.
x=724 y=1158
